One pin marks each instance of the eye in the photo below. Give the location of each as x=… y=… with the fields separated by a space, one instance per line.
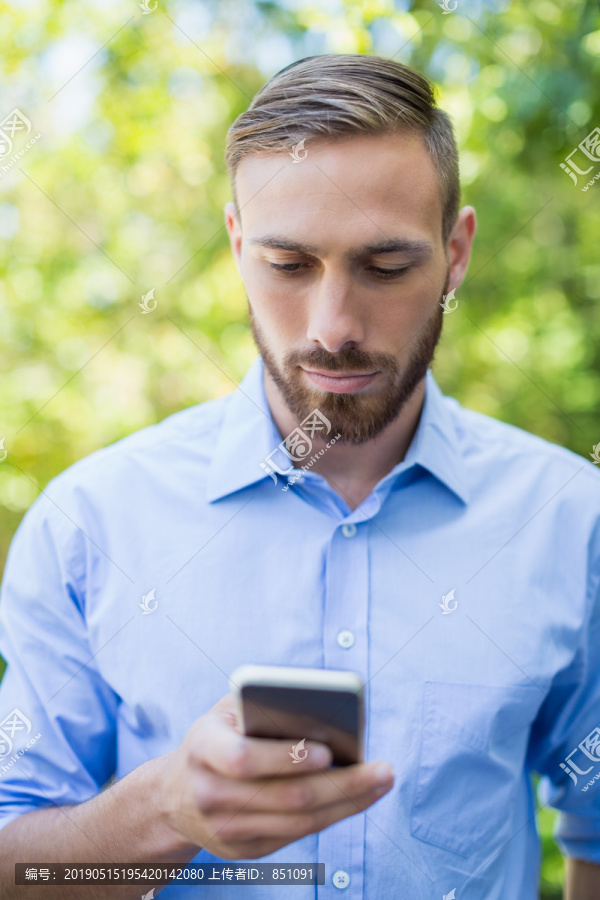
x=291 y=268
x=286 y=267
x=388 y=273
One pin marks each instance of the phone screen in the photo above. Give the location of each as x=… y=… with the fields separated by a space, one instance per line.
x=330 y=717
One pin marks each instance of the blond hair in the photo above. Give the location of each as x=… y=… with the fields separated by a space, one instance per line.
x=334 y=96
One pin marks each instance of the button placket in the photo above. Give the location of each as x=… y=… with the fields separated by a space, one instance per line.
x=345 y=617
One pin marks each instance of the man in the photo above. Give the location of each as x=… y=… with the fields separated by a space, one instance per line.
x=335 y=511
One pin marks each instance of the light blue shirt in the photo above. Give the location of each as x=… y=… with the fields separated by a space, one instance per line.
x=465 y=697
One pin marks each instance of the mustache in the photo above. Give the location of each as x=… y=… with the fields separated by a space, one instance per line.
x=351 y=359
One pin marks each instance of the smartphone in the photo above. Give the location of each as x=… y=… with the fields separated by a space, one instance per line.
x=293 y=702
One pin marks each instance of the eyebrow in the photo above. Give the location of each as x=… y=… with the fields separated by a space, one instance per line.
x=393 y=245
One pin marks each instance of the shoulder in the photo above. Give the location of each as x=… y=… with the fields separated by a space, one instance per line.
x=183 y=441
x=522 y=461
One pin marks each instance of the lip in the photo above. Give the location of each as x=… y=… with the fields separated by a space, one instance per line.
x=340 y=384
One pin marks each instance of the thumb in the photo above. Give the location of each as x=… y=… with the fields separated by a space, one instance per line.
x=226 y=710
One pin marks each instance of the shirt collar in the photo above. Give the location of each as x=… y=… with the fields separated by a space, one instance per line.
x=248 y=435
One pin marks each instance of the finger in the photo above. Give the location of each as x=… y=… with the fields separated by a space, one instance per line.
x=314 y=791
x=214 y=741
x=227 y=709
x=237 y=828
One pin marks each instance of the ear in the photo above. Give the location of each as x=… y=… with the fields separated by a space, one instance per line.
x=460 y=243
x=234 y=230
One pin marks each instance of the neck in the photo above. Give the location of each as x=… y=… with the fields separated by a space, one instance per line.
x=354 y=470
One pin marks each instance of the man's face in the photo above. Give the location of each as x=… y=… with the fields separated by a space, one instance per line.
x=346 y=305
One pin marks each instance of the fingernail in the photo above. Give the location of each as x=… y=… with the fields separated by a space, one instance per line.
x=383 y=773
x=321 y=756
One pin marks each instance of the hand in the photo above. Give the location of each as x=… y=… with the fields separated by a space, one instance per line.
x=243 y=798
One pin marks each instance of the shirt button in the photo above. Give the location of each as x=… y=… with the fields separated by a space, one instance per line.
x=341 y=879
x=349 y=529
x=345 y=639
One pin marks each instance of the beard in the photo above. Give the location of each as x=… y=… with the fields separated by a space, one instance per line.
x=354 y=417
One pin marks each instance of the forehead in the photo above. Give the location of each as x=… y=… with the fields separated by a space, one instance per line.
x=359 y=188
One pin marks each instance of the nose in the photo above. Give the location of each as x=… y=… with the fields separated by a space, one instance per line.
x=335 y=318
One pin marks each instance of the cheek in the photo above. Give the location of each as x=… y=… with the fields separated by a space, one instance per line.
x=277 y=310
x=403 y=311
x=264 y=289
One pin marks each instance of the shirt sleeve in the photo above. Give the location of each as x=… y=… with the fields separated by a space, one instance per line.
x=568 y=735
x=57 y=714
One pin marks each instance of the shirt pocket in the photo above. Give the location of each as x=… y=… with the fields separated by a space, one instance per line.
x=473 y=744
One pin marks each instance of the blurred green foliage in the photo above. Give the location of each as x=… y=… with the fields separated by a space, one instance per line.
x=124 y=192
